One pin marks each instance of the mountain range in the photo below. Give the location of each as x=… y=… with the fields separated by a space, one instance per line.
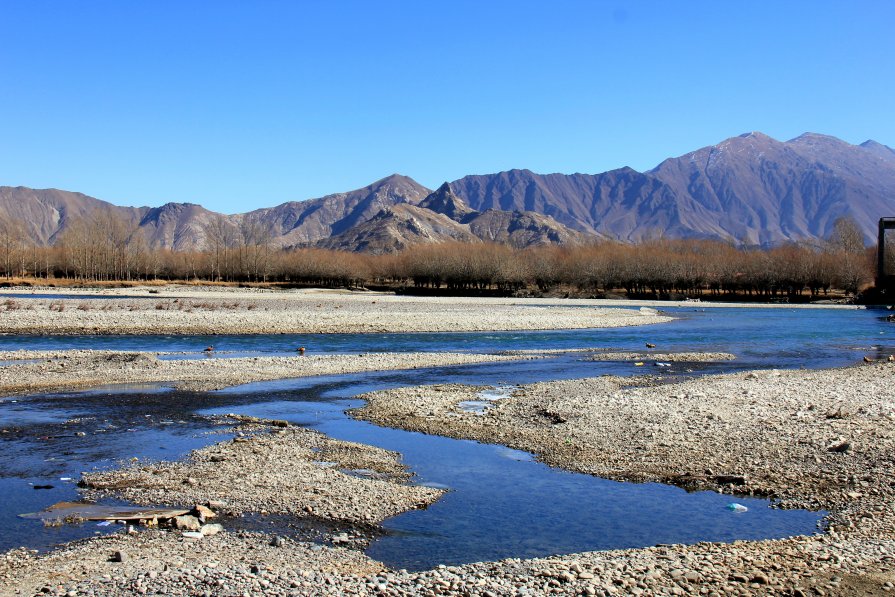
x=750 y=189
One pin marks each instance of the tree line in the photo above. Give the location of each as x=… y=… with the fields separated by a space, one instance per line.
x=107 y=248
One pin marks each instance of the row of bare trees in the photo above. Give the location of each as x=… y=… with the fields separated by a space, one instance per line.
x=107 y=247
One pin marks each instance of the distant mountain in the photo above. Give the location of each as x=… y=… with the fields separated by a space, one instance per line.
x=185 y=226
x=623 y=204
x=749 y=189
x=304 y=222
x=442 y=217
x=755 y=189
x=44 y=213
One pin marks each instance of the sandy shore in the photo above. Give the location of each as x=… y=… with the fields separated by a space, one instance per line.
x=238 y=311
x=87 y=368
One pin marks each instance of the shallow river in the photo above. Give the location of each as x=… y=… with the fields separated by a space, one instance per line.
x=501 y=502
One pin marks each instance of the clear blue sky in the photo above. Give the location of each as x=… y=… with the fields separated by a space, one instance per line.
x=238 y=105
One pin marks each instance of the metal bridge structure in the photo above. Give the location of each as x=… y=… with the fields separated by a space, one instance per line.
x=885 y=254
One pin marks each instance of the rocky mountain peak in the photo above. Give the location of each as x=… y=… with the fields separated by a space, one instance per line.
x=446 y=202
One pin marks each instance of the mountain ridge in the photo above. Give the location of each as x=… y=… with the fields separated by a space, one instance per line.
x=749 y=189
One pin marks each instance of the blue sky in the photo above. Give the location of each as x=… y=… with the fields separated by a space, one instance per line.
x=239 y=105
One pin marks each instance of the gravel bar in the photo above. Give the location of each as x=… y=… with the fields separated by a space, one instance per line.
x=213 y=311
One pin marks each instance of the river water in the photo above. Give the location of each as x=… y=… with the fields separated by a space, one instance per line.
x=500 y=503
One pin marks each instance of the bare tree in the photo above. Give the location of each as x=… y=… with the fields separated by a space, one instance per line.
x=12 y=239
x=220 y=238
x=846 y=243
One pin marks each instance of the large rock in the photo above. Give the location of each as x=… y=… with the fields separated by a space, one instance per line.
x=187 y=523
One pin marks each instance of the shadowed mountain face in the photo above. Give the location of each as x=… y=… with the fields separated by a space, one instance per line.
x=751 y=189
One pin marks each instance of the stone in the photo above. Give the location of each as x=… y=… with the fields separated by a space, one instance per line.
x=187 y=523
x=119 y=556
x=192 y=535
x=203 y=513
x=277 y=541
x=210 y=529
x=730 y=479
x=839 y=446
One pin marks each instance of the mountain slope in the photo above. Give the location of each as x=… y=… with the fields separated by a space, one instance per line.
x=522 y=229
x=760 y=190
x=750 y=188
x=44 y=213
x=303 y=222
x=177 y=226
x=398 y=227
x=443 y=217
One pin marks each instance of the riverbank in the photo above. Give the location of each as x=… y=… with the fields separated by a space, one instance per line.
x=236 y=564
x=212 y=310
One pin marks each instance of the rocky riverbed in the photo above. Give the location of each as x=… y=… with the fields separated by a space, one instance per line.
x=289 y=470
x=237 y=564
x=816 y=439
x=33 y=371
x=809 y=438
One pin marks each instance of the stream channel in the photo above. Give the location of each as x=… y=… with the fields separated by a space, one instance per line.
x=501 y=502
